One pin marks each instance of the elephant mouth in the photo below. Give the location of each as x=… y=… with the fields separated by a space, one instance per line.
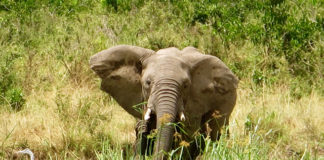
x=151 y=123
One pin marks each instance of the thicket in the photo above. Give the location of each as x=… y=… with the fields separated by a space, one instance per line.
x=269 y=42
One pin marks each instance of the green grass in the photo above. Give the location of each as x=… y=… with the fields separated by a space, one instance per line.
x=50 y=100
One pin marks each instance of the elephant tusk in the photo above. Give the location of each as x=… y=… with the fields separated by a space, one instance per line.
x=182 y=116
x=147 y=114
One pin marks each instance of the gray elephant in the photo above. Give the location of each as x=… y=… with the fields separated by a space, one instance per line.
x=178 y=85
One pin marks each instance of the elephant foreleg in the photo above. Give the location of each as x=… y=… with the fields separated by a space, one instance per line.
x=216 y=124
x=212 y=124
x=144 y=144
x=141 y=137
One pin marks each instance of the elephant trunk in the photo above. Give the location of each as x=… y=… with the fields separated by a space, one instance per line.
x=166 y=111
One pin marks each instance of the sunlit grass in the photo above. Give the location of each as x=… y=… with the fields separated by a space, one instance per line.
x=70 y=120
x=83 y=122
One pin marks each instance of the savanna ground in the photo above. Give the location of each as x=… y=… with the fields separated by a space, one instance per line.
x=50 y=100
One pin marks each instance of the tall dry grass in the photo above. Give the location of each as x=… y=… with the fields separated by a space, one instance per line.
x=76 y=122
x=67 y=122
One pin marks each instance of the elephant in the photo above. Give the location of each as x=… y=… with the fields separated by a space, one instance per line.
x=185 y=86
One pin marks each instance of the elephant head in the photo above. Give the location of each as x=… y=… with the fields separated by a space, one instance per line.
x=177 y=84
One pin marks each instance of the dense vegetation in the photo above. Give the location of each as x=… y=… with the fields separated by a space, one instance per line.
x=275 y=47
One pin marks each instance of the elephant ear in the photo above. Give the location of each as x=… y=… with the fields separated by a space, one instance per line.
x=212 y=82
x=120 y=69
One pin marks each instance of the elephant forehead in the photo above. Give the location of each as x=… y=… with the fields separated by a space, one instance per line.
x=169 y=51
x=165 y=60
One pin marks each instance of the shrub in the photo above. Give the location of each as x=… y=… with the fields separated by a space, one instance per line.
x=10 y=91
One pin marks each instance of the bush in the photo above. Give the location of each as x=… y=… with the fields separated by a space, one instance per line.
x=10 y=91
x=15 y=98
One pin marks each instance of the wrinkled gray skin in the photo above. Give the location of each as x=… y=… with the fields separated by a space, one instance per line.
x=172 y=81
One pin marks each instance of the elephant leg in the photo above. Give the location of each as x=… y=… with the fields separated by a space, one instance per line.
x=141 y=137
x=197 y=144
x=212 y=123
x=144 y=144
x=216 y=124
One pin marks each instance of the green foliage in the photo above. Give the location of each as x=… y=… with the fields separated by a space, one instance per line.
x=257 y=146
x=10 y=92
x=276 y=26
x=61 y=7
x=122 y=5
x=15 y=98
x=277 y=29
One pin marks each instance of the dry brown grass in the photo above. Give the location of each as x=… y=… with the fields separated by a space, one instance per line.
x=74 y=121
x=65 y=120
x=290 y=125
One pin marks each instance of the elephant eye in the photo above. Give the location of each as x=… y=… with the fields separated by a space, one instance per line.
x=186 y=84
x=148 y=83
